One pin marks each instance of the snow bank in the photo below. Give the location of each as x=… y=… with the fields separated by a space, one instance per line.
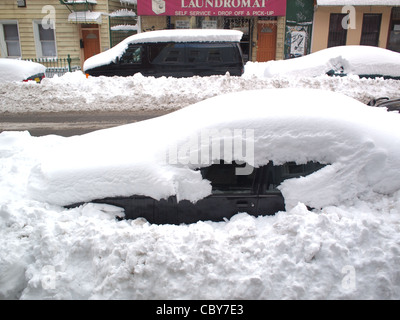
x=18 y=70
x=339 y=253
x=361 y=144
x=358 y=60
x=347 y=251
x=174 y=35
x=73 y=92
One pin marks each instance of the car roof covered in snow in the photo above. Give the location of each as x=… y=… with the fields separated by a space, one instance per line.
x=18 y=70
x=186 y=35
x=175 y=35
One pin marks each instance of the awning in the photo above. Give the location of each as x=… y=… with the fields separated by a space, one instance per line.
x=85 y=17
x=358 y=2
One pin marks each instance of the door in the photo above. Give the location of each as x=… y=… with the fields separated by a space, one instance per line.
x=266 y=34
x=91 y=42
x=371 y=29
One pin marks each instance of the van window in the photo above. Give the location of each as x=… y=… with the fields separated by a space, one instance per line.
x=195 y=53
x=132 y=55
x=167 y=53
x=212 y=53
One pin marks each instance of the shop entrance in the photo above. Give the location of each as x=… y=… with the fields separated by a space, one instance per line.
x=266 y=40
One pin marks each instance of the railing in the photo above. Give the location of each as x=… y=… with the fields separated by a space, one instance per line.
x=58 y=66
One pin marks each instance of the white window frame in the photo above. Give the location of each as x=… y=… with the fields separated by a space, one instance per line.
x=38 y=44
x=3 y=44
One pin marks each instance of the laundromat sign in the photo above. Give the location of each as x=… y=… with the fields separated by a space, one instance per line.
x=238 y=8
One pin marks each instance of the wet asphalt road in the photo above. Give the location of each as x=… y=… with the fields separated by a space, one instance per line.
x=71 y=123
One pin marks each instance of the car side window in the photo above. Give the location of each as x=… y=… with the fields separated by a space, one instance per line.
x=276 y=174
x=132 y=55
x=224 y=179
x=210 y=52
x=214 y=55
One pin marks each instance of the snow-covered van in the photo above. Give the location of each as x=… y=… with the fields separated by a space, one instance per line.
x=176 y=53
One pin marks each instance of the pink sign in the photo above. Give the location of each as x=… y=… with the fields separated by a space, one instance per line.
x=236 y=8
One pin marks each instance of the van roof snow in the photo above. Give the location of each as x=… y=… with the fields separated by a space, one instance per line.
x=174 y=35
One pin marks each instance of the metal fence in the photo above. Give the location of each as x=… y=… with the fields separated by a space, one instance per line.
x=58 y=66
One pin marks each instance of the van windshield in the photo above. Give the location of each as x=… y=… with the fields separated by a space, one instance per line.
x=172 y=53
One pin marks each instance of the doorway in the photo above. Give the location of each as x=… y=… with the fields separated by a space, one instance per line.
x=90 y=41
x=266 y=40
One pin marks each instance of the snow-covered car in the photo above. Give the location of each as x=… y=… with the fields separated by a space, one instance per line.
x=364 y=61
x=279 y=147
x=386 y=102
x=175 y=53
x=21 y=70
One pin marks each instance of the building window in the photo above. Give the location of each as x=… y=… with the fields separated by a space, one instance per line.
x=21 y=3
x=9 y=38
x=371 y=29
x=45 y=40
x=394 y=36
x=337 y=34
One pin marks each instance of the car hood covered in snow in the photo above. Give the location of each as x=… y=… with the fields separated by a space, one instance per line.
x=157 y=157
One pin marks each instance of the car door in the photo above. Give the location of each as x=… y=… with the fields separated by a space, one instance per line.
x=231 y=194
x=270 y=199
x=132 y=61
x=271 y=176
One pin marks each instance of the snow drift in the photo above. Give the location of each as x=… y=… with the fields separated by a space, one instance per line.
x=361 y=145
x=347 y=251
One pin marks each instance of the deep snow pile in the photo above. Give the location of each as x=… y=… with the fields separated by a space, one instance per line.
x=346 y=251
x=343 y=252
x=73 y=92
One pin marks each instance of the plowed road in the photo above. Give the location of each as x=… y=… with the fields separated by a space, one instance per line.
x=70 y=123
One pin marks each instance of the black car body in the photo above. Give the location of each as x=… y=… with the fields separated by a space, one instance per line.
x=255 y=194
x=37 y=78
x=175 y=57
x=385 y=102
